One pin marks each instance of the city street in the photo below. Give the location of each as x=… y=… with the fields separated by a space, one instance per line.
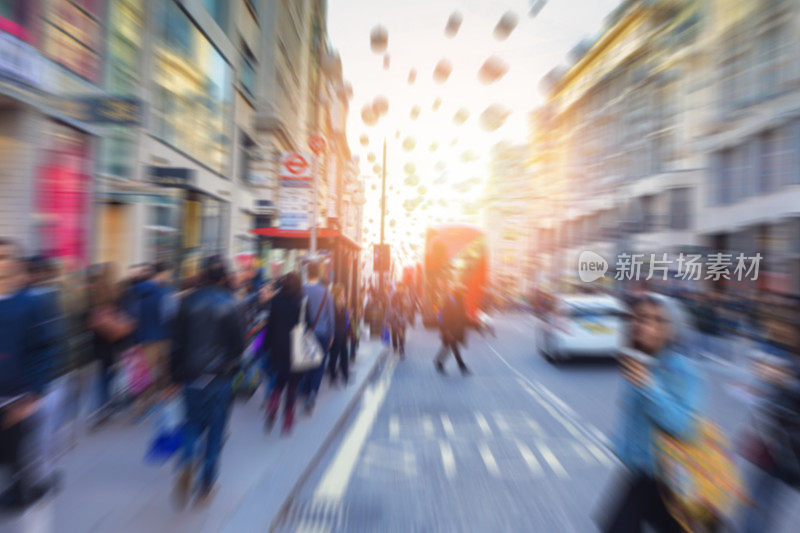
x=509 y=448
x=520 y=445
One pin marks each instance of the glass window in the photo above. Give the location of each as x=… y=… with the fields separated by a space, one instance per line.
x=247 y=72
x=775 y=60
x=218 y=9
x=74 y=37
x=721 y=194
x=192 y=100
x=245 y=152
x=769 y=153
x=680 y=209
x=118 y=146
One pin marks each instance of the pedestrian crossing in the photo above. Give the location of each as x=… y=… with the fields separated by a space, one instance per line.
x=503 y=444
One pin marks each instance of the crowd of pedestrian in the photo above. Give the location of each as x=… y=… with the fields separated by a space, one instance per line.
x=79 y=349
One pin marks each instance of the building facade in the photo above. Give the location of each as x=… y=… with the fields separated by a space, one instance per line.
x=509 y=218
x=751 y=199
x=140 y=130
x=617 y=138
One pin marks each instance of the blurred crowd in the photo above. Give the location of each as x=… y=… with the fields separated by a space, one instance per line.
x=79 y=349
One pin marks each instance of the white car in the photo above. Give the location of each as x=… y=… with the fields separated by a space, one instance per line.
x=583 y=325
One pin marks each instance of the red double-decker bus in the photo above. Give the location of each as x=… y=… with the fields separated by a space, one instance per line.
x=454 y=252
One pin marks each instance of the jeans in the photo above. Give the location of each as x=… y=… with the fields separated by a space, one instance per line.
x=340 y=357
x=313 y=378
x=207 y=411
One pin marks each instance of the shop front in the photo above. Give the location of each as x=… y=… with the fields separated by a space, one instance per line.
x=284 y=250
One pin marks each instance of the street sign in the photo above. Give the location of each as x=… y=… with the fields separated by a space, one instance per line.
x=178 y=177
x=295 y=166
x=290 y=220
x=317 y=144
x=105 y=109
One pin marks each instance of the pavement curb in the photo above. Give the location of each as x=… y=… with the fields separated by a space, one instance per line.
x=280 y=518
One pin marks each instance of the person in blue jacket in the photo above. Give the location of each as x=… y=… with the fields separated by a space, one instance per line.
x=320 y=307
x=24 y=375
x=662 y=392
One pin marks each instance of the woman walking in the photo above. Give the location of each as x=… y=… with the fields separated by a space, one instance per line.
x=110 y=327
x=662 y=394
x=341 y=320
x=284 y=315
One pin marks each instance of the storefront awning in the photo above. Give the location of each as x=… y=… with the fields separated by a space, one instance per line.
x=298 y=238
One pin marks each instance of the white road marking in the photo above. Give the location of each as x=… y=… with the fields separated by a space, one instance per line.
x=427 y=425
x=394 y=428
x=448 y=459
x=531 y=386
x=501 y=422
x=448 y=426
x=598 y=453
x=334 y=482
x=529 y=458
x=556 y=400
x=534 y=424
x=599 y=435
x=488 y=459
x=484 y=425
x=551 y=459
x=547 y=407
x=581 y=451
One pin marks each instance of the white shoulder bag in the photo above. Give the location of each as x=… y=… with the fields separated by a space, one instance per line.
x=307 y=353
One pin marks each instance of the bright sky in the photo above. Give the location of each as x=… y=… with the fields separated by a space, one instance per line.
x=417 y=40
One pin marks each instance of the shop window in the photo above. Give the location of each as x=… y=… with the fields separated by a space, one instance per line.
x=161 y=233
x=62 y=196
x=192 y=99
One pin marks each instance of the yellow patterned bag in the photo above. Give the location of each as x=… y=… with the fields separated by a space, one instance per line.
x=700 y=476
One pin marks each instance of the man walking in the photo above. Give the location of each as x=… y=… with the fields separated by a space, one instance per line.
x=452 y=323
x=319 y=303
x=24 y=374
x=208 y=340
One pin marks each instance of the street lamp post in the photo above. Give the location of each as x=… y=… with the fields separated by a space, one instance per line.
x=381 y=279
x=313 y=239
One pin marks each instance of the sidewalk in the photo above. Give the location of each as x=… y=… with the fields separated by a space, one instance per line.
x=108 y=487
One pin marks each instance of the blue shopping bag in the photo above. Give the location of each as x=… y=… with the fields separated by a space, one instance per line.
x=168 y=432
x=385 y=336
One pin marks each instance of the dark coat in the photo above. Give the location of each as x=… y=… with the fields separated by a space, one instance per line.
x=284 y=314
x=208 y=337
x=454 y=319
x=26 y=342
